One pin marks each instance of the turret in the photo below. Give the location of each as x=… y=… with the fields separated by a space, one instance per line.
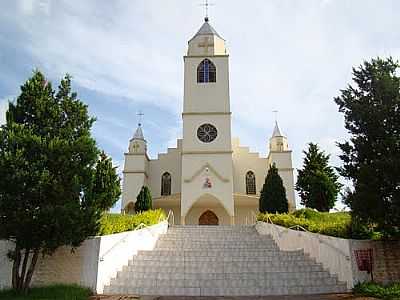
x=278 y=142
x=135 y=170
x=138 y=144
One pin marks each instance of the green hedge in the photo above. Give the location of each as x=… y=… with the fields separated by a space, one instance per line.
x=333 y=224
x=115 y=223
x=372 y=289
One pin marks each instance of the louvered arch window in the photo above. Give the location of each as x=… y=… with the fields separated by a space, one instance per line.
x=166 y=184
x=206 y=72
x=250 y=183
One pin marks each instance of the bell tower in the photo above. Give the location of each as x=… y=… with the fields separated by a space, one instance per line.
x=206 y=147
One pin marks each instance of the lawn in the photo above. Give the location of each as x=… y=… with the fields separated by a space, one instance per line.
x=54 y=292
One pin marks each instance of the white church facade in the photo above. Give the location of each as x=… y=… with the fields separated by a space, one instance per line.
x=209 y=178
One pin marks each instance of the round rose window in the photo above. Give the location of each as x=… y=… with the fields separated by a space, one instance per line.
x=207 y=133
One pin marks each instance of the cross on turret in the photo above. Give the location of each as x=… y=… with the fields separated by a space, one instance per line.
x=206 y=4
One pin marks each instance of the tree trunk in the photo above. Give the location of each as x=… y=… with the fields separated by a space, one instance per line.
x=31 y=269
x=16 y=266
x=23 y=271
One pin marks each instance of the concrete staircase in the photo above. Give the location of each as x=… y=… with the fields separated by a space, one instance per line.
x=221 y=261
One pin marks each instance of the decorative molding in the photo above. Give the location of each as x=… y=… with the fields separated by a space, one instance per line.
x=207 y=152
x=138 y=154
x=198 y=172
x=206 y=113
x=136 y=172
x=205 y=56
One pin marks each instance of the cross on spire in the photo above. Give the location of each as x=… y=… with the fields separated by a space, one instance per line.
x=206 y=4
x=276 y=115
x=140 y=114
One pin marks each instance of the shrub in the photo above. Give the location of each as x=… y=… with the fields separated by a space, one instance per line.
x=333 y=224
x=372 y=289
x=115 y=223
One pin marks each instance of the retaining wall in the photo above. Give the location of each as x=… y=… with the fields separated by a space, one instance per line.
x=92 y=265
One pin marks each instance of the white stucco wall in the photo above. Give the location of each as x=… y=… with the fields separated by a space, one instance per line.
x=116 y=250
x=5 y=264
x=167 y=162
x=92 y=265
x=335 y=254
x=244 y=161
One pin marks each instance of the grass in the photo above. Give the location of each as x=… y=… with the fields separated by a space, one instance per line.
x=54 y=292
x=371 y=289
x=337 y=224
x=115 y=223
x=333 y=224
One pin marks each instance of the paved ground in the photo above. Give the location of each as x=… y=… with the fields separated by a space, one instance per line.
x=307 y=297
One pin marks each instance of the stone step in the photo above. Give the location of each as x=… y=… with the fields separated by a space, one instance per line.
x=221 y=261
x=154 y=275
x=207 y=259
x=225 y=269
x=217 y=253
x=223 y=291
x=203 y=264
x=216 y=238
x=204 y=283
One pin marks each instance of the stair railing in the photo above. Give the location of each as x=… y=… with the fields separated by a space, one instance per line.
x=171 y=216
x=140 y=226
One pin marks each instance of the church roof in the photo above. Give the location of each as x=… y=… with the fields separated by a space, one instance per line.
x=207 y=29
x=138 y=133
x=277 y=131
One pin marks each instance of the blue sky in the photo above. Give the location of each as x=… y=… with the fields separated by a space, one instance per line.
x=126 y=56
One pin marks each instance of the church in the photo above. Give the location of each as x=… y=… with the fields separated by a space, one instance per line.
x=209 y=178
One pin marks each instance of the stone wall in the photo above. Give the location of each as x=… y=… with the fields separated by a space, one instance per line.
x=92 y=265
x=387 y=262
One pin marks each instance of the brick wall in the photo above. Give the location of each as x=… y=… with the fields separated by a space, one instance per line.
x=387 y=261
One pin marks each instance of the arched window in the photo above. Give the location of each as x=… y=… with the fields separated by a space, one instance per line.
x=250 y=183
x=206 y=71
x=166 y=184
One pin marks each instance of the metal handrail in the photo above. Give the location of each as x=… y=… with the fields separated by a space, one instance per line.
x=140 y=226
x=171 y=215
x=298 y=227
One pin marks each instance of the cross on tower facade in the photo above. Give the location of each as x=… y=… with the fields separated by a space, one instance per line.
x=206 y=44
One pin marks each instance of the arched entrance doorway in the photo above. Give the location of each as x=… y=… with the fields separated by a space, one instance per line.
x=208 y=218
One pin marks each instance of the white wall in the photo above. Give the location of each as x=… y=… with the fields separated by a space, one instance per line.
x=92 y=265
x=167 y=162
x=5 y=264
x=335 y=254
x=117 y=249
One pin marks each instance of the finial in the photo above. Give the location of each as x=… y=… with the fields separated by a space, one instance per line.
x=206 y=5
x=140 y=115
x=276 y=115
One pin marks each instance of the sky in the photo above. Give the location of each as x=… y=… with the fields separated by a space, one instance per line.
x=125 y=56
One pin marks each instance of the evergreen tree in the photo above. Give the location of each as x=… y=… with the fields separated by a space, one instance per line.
x=53 y=186
x=143 y=200
x=317 y=182
x=371 y=108
x=273 y=194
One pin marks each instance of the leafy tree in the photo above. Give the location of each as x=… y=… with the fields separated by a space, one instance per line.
x=273 y=194
x=53 y=185
x=317 y=182
x=371 y=158
x=143 y=200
